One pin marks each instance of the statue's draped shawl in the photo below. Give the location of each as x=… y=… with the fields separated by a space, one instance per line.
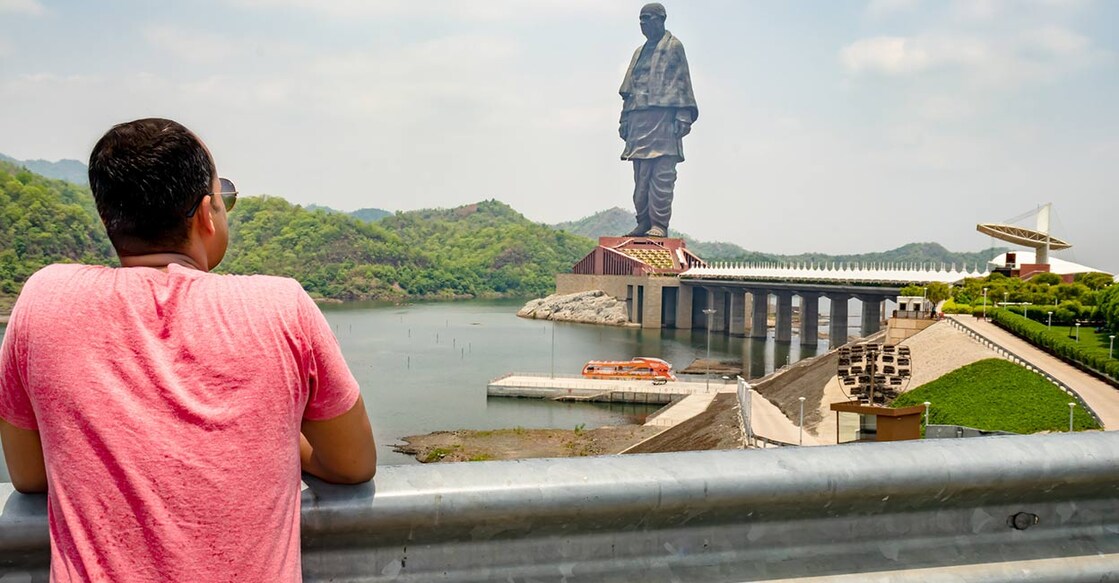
x=670 y=82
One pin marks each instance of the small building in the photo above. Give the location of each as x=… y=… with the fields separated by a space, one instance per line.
x=878 y=423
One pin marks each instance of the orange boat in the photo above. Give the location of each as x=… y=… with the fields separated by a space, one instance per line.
x=640 y=368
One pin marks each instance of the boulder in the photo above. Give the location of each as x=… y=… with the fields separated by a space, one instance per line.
x=589 y=307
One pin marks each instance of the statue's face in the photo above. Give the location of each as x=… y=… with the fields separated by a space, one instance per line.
x=652 y=25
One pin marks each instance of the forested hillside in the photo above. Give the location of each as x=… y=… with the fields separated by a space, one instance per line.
x=617 y=221
x=43 y=221
x=484 y=249
x=68 y=170
x=487 y=247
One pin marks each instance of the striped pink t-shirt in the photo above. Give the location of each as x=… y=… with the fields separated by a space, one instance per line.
x=169 y=405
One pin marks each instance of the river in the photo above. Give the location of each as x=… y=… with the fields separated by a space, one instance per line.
x=425 y=366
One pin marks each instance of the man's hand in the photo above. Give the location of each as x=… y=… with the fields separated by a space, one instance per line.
x=683 y=128
x=340 y=450
x=23 y=450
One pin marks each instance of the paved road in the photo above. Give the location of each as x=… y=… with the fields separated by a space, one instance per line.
x=1100 y=396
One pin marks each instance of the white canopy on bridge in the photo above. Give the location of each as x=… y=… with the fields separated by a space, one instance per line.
x=877 y=273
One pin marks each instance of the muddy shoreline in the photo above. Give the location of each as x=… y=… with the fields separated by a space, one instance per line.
x=521 y=443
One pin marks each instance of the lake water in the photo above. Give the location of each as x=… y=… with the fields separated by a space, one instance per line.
x=424 y=367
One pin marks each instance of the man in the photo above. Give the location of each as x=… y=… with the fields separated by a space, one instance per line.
x=165 y=410
x=658 y=110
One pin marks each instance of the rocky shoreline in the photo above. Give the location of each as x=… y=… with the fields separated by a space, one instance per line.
x=589 y=307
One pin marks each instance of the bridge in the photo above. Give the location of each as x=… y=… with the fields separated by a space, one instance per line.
x=1015 y=508
x=733 y=289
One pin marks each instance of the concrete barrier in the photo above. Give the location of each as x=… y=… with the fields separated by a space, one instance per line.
x=1019 y=508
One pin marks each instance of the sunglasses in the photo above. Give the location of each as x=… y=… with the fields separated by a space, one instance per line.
x=228 y=195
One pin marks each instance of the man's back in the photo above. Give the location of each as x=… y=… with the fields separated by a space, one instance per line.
x=169 y=405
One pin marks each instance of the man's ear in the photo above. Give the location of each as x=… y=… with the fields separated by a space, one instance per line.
x=204 y=218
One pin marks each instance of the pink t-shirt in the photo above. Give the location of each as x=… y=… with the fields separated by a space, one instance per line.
x=169 y=406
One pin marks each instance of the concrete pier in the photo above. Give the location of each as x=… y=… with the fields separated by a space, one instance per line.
x=784 y=327
x=737 y=313
x=759 y=320
x=809 y=319
x=578 y=388
x=719 y=303
x=837 y=332
x=872 y=315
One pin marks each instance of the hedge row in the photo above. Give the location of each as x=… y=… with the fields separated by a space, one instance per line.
x=1038 y=334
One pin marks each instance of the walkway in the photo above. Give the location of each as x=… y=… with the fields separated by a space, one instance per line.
x=1100 y=396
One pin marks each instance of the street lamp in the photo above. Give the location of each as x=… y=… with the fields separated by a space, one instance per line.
x=1049 y=326
x=800 y=438
x=927 y=405
x=710 y=312
x=1071 y=406
x=1111 y=347
x=1005 y=298
x=984 y=304
x=1078 y=331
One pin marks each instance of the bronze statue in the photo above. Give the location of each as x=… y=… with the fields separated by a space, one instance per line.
x=658 y=110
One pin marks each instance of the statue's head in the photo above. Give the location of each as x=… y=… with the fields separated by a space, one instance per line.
x=652 y=20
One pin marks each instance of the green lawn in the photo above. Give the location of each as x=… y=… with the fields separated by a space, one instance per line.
x=994 y=394
x=1090 y=339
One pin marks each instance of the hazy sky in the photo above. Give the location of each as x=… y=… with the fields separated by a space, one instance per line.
x=836 y=126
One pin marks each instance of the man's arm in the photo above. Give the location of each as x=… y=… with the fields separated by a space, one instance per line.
x=341 y=449
x=23 y=452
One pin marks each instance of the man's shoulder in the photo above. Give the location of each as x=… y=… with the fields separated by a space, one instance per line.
x=56 y=272
x=272 y=284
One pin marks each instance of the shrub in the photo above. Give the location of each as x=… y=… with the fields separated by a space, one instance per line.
x=1040 y=335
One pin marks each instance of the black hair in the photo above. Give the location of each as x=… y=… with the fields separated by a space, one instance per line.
x=146 y=175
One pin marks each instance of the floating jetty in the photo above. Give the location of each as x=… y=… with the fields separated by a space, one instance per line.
x=578 y=388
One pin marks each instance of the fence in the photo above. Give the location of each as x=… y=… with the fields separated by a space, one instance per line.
x=1017 y=508
x=745 y=397
x=1012 y=357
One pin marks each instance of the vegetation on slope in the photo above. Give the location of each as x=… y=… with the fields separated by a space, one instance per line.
x=484 y=249
x=68 y=170
x=44 y=221
x=1069 y=302
x=616 y=222
x=488 y=248
x=994 y=394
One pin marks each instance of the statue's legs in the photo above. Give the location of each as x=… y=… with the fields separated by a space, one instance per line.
x=654 y=181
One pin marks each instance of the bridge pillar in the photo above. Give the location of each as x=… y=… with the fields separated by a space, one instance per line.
x=759 y=321
x=872 y=315
x=783 y=331
x=719 y=301
x=737 y=313
x=684 y=307
x=809 y=319
x=837 y=331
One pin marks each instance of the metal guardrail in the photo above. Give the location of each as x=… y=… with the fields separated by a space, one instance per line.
x=1018 y=508
x=1012 y=357
x=933 y=431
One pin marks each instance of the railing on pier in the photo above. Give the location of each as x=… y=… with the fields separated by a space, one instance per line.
x=1019 y=508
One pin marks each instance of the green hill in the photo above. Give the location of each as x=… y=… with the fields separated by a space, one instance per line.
x=369 y=215
x=44 y=221
x=484 y=249
x=617 y=221
x=68 y=170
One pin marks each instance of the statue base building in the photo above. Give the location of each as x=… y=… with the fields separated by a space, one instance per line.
x=642 y=271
